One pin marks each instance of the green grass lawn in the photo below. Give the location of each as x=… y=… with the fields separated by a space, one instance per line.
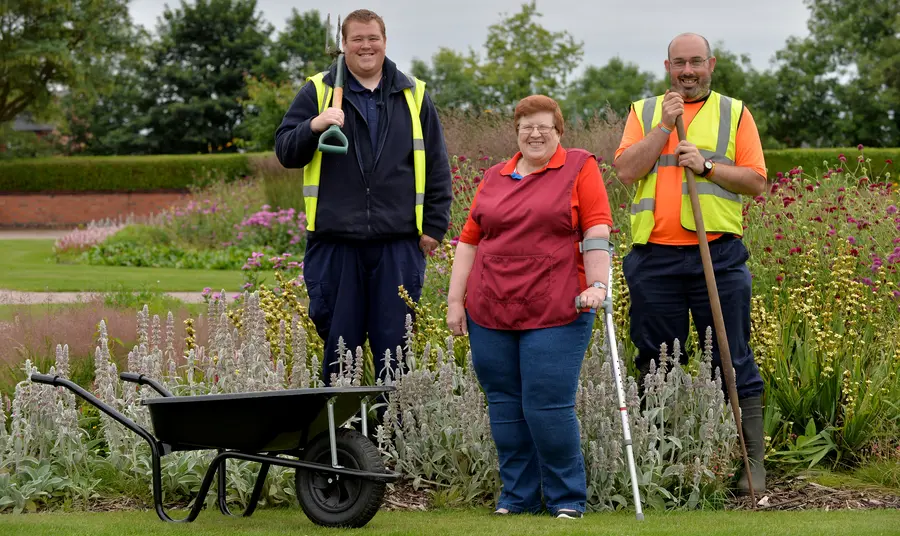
x=466 y=523
x=28 y=265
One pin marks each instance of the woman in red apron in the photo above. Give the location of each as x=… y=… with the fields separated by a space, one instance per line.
x=517 y=272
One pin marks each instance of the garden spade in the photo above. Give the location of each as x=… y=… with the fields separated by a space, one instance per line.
x=620 y=391
x=716 y=307
x=333 y=139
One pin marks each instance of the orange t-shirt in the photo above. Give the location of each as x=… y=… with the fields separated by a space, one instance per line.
x=667 y=214
x=590 y=204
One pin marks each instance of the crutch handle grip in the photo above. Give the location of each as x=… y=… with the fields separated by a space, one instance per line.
x=579 y=307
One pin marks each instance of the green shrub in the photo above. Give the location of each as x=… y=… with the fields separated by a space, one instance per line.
x=163 y=256
x=119 y=173
x=813 y=160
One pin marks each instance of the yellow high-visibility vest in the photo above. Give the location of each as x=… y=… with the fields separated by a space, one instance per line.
x=713 y=130
x=313 y=171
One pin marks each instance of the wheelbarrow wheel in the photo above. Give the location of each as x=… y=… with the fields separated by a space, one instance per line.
x=333 y=500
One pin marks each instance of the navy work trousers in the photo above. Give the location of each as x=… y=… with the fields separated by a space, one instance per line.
x=353 y=293
x=667 y=282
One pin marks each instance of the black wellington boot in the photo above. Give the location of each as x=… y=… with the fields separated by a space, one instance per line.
x=752 y=422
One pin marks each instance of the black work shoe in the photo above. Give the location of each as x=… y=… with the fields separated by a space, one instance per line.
x=568 y=514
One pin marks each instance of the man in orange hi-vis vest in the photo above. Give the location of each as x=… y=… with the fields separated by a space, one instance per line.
x=663 y=269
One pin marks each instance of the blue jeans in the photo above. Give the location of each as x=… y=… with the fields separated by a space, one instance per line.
x=530 y=378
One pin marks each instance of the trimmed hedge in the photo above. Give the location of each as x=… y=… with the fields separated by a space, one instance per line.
x=119 y=173
x=813 y=160
x=180 y=172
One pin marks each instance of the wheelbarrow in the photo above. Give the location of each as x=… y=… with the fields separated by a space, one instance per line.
x=340 y=478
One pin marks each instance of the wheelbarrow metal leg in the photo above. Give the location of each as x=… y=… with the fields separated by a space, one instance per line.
x=364 y=413
x=221 y=492
x=332 y=431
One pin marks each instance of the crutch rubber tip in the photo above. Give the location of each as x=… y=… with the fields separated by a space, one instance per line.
x=640 y=517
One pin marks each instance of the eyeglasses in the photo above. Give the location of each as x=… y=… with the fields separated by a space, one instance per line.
x=528 y=129
x=680 y=63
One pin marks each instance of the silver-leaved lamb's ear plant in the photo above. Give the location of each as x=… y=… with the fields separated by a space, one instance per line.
x=435 y=427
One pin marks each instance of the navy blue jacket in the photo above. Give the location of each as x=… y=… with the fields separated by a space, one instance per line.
x=366 y=194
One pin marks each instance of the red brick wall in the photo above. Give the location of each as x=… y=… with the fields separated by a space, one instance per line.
x=60 y=210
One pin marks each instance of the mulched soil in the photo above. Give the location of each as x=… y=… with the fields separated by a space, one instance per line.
x=792 y=493
x=786 y=493
x=404 y=497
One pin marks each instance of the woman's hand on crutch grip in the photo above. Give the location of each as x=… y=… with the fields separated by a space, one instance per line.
x=591 y=297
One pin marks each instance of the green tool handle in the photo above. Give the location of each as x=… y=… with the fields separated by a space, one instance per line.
x=333 y=140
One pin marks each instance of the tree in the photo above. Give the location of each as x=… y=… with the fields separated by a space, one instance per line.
x=842 y=83
x=264 y=108
x=451 y=80
x=523 y=58
x=611 y=87
x=49 y=46
x=301 y=45
x=113 y=121
x=197 y=74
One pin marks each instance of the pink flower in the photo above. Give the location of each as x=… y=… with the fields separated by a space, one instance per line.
x=860 y=147
x=852 y=240
x=891 y=210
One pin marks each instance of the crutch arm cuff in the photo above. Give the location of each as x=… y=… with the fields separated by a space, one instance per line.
x=589 y=244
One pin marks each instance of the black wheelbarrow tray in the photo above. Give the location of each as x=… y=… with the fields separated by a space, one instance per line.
x=340 y=478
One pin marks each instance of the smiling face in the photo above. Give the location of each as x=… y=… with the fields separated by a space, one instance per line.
x=690 y=67
x=364 y=45
x=538 y=137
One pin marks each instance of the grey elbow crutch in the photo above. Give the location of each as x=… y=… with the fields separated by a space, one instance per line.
x=607 y=305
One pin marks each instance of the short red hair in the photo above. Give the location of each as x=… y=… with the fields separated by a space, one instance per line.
x=364 y=16
x=540 y=103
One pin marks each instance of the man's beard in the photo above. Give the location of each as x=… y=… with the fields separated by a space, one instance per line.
x=700 y=89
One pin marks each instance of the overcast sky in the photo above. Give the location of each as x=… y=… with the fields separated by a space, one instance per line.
x=637 y=31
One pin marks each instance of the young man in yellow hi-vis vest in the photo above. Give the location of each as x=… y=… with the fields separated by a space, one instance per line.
x=374 y=213
x=663 y=269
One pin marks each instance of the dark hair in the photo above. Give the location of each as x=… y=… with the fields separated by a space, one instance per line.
x=540 y=103
x=364 y=16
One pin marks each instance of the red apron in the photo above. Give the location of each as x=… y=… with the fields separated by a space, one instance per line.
x=526 y=270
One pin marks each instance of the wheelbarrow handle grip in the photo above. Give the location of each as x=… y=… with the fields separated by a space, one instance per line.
x=45 y=378
x=132 y=377
x=140 y=379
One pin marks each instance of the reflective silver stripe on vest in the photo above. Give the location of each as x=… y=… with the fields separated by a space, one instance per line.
x=418 y=144
x=665 y=160
x=711 y=188
x=724 y=124
x=311 y=191
x=644 y=204
x=420 y=199
x=647 y=115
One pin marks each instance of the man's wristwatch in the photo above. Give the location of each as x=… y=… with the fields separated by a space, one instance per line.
x=598 y=284
x=707 y=167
